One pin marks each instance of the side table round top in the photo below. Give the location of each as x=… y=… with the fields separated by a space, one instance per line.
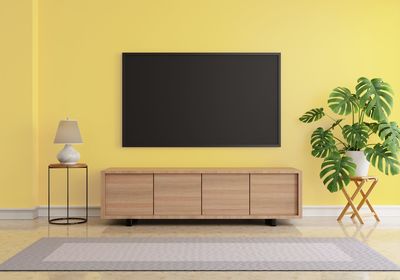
x=63 y=165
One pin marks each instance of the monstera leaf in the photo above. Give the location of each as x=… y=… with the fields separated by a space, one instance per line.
x=322 y=142
x=336 y=171
x=376 y=97
x=382 y=158
x=342 y=102
x=390 y=133
x=356 y=135
x=312 y=115
x=373 y=126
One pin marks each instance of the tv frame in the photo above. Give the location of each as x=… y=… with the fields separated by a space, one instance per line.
x=278 y=132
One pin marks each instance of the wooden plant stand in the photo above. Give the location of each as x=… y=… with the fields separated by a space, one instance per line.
x=359 y=182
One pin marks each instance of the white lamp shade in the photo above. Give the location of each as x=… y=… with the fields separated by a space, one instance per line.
x=68 y=133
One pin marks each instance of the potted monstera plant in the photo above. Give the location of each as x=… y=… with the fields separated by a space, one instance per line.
x=366 y=136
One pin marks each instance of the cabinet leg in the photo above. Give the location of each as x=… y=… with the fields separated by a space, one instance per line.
x=270 y=222
x=131 y=222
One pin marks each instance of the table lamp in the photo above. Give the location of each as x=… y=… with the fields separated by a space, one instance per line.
x=68 y=133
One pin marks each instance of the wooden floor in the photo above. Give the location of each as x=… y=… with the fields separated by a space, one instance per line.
x=384 y=237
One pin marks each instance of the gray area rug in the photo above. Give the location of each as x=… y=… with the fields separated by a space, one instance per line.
x=202 y=254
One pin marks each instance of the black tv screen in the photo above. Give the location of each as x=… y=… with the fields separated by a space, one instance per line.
x=201 y=100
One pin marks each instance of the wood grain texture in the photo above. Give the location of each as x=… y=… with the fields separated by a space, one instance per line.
x=274 y=194
x=128 y=194
x=177 y=194
x=364 y=178
x=300 y=194
x=202 y=170
x=225 y=194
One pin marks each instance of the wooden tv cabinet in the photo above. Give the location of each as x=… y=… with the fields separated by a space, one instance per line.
x=201 y=193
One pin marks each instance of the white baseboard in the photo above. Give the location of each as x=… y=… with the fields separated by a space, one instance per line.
x=322 y=211
x=41 y=211
x=18 y=213
x=94 y=211
x=334 y=210
x=60 y=211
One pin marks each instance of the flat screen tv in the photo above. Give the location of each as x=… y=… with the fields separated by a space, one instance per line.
x=201 y=100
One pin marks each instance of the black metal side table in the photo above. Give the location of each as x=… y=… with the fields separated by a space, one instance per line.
x=66 y=220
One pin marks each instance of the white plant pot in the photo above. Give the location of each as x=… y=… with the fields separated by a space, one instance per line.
x=362 y=164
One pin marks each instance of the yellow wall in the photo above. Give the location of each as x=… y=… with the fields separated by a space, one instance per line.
x=18 y=105
x=324 y=44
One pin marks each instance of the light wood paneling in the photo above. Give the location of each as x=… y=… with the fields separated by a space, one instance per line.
x=225 y=194
x=203 y=170
x=274 y=194
x=177 y=194
x=128 y=194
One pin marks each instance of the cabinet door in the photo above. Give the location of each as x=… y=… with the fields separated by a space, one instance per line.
x=128 y=195
x=225 y=194
x=177 y=194
x=274 y=194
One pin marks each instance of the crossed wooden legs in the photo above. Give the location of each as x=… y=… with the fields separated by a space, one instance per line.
x=350 y=199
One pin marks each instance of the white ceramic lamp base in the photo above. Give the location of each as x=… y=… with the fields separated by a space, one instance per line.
x=68 y=155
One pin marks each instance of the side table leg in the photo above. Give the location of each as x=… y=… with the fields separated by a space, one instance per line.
x=48 y=195
x=67 y=195
x=87 y=194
